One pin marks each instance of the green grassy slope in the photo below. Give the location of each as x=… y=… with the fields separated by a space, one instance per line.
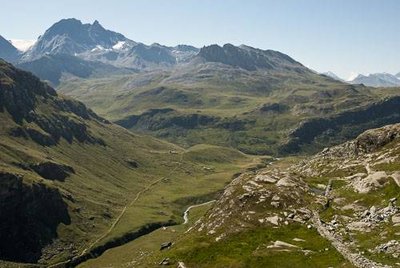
x=253 y=111
x=135 y=253
x=56 y=155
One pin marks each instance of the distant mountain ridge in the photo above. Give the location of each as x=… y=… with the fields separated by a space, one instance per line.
x=248 y=58
x=378 y=80
x=7 y=51
x=333 y=75
x=371 y=80
x=93 y=43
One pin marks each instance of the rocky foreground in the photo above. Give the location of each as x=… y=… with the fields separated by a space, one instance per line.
x=347 y=194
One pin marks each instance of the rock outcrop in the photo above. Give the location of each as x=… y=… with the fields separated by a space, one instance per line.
x=29 y=216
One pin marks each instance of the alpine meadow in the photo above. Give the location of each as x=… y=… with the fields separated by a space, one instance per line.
x=200 y=151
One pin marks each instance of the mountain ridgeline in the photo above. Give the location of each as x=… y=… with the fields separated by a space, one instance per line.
x=371 y=80
x=136 y=136
x=254 y=100
x=91 y=42
x=249 y=58
x=7 y=51
x=88 y=44
x=378 y=80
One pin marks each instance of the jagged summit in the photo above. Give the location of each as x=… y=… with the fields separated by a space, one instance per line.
x=71 y=36
x=92 y=42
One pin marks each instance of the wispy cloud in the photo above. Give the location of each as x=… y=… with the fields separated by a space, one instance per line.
x=22 y=45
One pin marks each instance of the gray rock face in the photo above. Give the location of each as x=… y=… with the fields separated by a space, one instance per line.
x=396 y=219
x=29 y=215
x=53 y=171
x=376 y=138
x=249 y=58
x=391 y=247
x=70 y=36
x=92 y=42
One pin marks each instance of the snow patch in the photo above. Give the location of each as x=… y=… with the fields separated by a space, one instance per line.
x=99 y=48
x=119 y=45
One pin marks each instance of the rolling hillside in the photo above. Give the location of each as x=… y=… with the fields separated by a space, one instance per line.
x=260 y=102
x=72 y=184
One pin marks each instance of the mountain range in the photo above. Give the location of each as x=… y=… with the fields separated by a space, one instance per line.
x=182 y=93
x=220 y=156
x=91 y=42
x=371 y=80
x=378 y=80
x=94 y=43
x=224 y=95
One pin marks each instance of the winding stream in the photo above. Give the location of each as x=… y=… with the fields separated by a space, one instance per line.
x=186 y=213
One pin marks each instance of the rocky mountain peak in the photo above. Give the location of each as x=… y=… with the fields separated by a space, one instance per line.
x=247 y=57
x=71 y=36
x=97 y=24
x=186 y=48
x=64 y=26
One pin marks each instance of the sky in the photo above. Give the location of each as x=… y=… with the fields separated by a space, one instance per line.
x=343 y=36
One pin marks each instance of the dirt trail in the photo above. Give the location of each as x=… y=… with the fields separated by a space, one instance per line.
x=355 y=258
x=147 y=188
x=186 y=213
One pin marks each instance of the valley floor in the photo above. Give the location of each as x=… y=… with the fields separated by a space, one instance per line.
x=339 y=208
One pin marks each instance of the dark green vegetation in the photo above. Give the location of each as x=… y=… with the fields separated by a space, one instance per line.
x=71 y=181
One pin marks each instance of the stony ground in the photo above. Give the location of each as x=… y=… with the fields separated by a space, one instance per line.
x=348 y=194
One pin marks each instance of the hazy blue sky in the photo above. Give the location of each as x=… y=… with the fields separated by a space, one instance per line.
x=343 y=36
